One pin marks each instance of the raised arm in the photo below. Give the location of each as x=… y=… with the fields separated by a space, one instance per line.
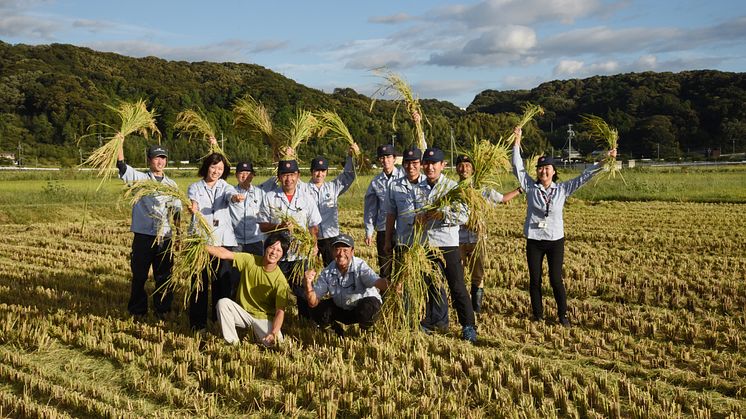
x=524 y=179
x=220 y=252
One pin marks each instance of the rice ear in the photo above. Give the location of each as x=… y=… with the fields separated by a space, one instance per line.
x=403 y=94
x=135 y=118
x=607 y=138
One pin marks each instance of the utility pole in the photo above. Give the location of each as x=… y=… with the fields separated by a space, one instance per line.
x=393 y=140
x=100 y=140
x=659 y=151
x=19 y=160
x=80 y=151
x=453 y=146
x=222 y=142
x=570 y=136
x=734 y=145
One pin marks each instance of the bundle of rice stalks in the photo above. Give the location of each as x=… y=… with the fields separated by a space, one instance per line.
x=530 y=163
x=403 y=93
x=529 y=112
x=251 y=114
x=135 y=119
x=330 y=122
x=187 y=244
x=302 y=127
x=195 y=125
x=607 y=138
x=303 y=245
x=405 y=300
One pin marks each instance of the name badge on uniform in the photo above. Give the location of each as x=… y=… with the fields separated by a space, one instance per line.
x=215 y=223
x=543 y=224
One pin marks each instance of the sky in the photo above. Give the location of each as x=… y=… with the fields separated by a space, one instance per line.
x=445 y=50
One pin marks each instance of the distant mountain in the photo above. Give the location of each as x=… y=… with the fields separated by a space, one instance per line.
x=51 y=95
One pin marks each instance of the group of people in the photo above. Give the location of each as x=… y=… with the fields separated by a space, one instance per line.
x=254 y=271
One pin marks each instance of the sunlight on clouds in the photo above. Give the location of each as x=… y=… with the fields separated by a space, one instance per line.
x=567 y=68
x=508 y=39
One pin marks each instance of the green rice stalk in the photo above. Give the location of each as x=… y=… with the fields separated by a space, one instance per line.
x=302 y=244
x=330 y=122
x=530 y=163
x=403 y=94
x=187 y=244
x=605 y=137
x=401 y=312
x=135 y=118
x=194 y=124
x=529 y=112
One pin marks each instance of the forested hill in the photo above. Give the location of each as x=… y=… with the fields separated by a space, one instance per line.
x=51 y=95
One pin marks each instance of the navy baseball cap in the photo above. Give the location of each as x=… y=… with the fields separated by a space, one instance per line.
x=412 y=154
x=157 y=151
x=433 y=155
x=287 y=166
x=463 y=158
x=545 y=161
x=244 y=167
x=385 y=150
x=319 y=163
x=343 y=240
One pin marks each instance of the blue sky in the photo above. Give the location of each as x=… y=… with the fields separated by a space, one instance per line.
x=445 y=49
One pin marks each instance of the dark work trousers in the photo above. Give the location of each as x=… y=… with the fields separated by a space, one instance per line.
x=147 y=252
x=296 y=284
x=460 y=297
x=555 y=253
x=221 y=280
x=364 y=313
x=326 y=250
x=384 y=260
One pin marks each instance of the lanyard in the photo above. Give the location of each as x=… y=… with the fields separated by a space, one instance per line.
x=547 y=199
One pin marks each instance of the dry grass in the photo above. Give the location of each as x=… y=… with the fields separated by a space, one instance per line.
x=529 y=112
x=303 y=245
x=331 y=123
x=251 y=114
x=135 y=118
x=302 y=127
x=402 y=93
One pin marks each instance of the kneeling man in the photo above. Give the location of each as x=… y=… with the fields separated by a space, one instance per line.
x=352 y=285
x=262 y=292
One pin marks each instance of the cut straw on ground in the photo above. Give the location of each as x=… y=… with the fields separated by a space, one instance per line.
x=135 y=118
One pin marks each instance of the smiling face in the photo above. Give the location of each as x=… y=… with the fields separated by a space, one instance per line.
x=343 y=257
x=273 y=253
x=214 y=172
x=157 y=164
x=412 y=169
x=464 y=170
x=432 y=170
x=544 y=174
x=318 y=176
x=288 y=182
x=387 y=163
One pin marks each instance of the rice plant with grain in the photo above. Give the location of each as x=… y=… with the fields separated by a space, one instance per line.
x=194 y=124
x=330 y=124
x=403 y=94
x=135 y=118
x=606 y=137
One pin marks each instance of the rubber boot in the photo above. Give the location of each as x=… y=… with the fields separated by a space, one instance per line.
x=476 y=298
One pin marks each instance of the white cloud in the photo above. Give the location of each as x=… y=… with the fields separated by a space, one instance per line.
x=393 y=19
x=494 y=13
x=230 y=50
x=510 y=39
x=567 y=68
x=26 y=26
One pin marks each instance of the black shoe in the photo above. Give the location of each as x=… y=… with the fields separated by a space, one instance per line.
x=564 y=322
x=338 y=329
x=537 y=319
x=477 y=294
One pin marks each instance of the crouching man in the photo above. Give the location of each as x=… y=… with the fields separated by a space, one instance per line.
x=262 y=292
x=352 y=285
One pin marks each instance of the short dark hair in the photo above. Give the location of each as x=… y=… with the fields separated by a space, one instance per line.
x=278 y=236
x=214 y=158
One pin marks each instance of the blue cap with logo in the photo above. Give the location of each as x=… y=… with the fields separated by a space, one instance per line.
x=433 y=155
x=385 y=150
x=343 y=240
x=545 y=161
x=157 y=151
x=287 y=166
x=412 y=154
x=319 y=163
x=244 y=166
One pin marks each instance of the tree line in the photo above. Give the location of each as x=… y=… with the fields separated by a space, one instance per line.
x=54 y=101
